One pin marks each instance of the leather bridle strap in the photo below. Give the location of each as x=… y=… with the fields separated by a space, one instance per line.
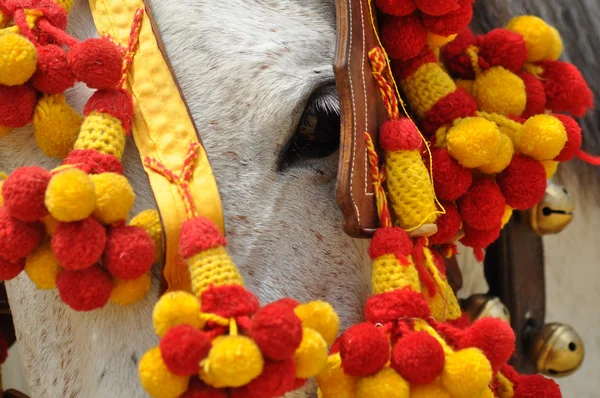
x=163 y=130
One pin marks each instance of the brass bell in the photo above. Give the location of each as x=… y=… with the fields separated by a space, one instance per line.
x=554 y=212
x=556 y=350
x=481 y=305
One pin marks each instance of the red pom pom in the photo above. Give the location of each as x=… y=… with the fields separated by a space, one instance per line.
x=403 y=37
x=93 y=162
x=418 y=358
x=482 y=207
x=537 y=386
x=391 y=306
x=454 y=55
x=479 y=240
x=53 y=74
x=455 y=105
x=565 y=87
x=84 y=290
x=436 y=7
x=448 y=225
x=198 y=235
x=10 y=269
x=290 y=302
x=364 y=350
x=501 y=47
x=299 y=384
x=115 y=102
x=16 y=105
x=129 y=252
x=450 y=179
x=276 y=379
x=397 y=8
x=399 y=135
x=390 y=240
x=404 y=69
x=536 y=96
x=97 y=62
x=573 y=138
x=452 y=22
x=228 y=301
x=24 y=193
x=198 y=389
x=78 y=245
x=511 y=374
x=17 y=239
x=492 y=336
x=523 y=182
x=277 y=331
x=182 y=348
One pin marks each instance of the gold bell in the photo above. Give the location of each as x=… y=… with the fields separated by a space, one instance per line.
x=554 y=212
x=556 y=350
x=481 y=305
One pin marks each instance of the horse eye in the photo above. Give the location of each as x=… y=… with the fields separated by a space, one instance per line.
x=318 y=132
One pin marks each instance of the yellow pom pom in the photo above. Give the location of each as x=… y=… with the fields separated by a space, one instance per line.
x=432 y=390
x=3 y=20
x=333 y=382
x=473 y=141
x=51 y=224
x=149 y=220
x=115 y=197
x=5 y=130
x=1 y=198
x=126 y=292
x=498 y=90
x=467 y=85
x=42 y=267
x=156 y=378
x=508 y=212
x=311 y=356
x=487 y=393
x=550 y=166
x=233 y=361
x=466 y=373
x=436 y=41
x=542 y=41
x=66 y=4
x=385 y=383
x=70 y=195
x=176 y=308
x=18 y=61
x=320 y=316
x=542 y=137
x=56 y=125
x=502 y=158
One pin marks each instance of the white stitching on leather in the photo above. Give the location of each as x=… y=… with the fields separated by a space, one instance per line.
x=353 y=114
x=364 y=83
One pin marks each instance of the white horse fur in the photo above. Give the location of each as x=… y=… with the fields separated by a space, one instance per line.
x=247 y=69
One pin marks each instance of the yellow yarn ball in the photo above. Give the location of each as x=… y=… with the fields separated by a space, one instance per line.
x=70 y=195
x=467 y=85
x=333 y=382
x=126 y=292
x=550 y=167
x=115 y=197
x=473 y=141
x=5 y=130
x=320 y=316
x=149 y=220
x=541 y=41
x=1 y=198
x=542 y=137
x=436 y=41
x=233 y=361
x=311 y=356
x=50 y=223
x=487 y=393
x=385 y=383
x=432 y=390
x=508 y=212
x=42 y=267
x=502 y=158
x=66 y=4
x=498 y=90
x=3 y=20
x=466 y=373
x=557 y=46
x=18 y=61
x=156 y=378
x=56 y=125
x=176 y=308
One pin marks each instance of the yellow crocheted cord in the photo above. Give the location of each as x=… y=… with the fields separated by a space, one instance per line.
x=444 y=305
x=212 y=267
x=426 y=86
x=388 y=274
x=103 y=133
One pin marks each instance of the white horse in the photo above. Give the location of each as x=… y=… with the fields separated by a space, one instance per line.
x=248 y=69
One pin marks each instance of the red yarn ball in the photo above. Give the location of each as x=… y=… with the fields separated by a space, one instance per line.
x=287 y=301
x=536 y=96
x=436 y=7
x=198 y=235
x=129 y=252
x=93 y=162
x=418 y=357
x=573 y=138
x=228 y=301
x=391 y=306
x=494 y=337
x=97 y=62
x=299 y=383
x=276 y=379
x=482 y=207
x=454 y=55
x=399 y=135
x=53 y=74
x=84 y=290
x=364 y=350
x=566 y=88
x=390 y=240
x=537 y=386
x=116 y=102
x=183 y=347
x=501 y=47
x=451 y=180
x=457 y=104
x=198 y=389
x=452 y=22
x=16 y=105
x=277 y=331
x=78 y=245
x=404 y=69
x=448 y=225
x=479 y=240
x=403 y=37
x=24 y=193
x=10 y=269
x=17 y=239
x=397 y=8
x=523 y=182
